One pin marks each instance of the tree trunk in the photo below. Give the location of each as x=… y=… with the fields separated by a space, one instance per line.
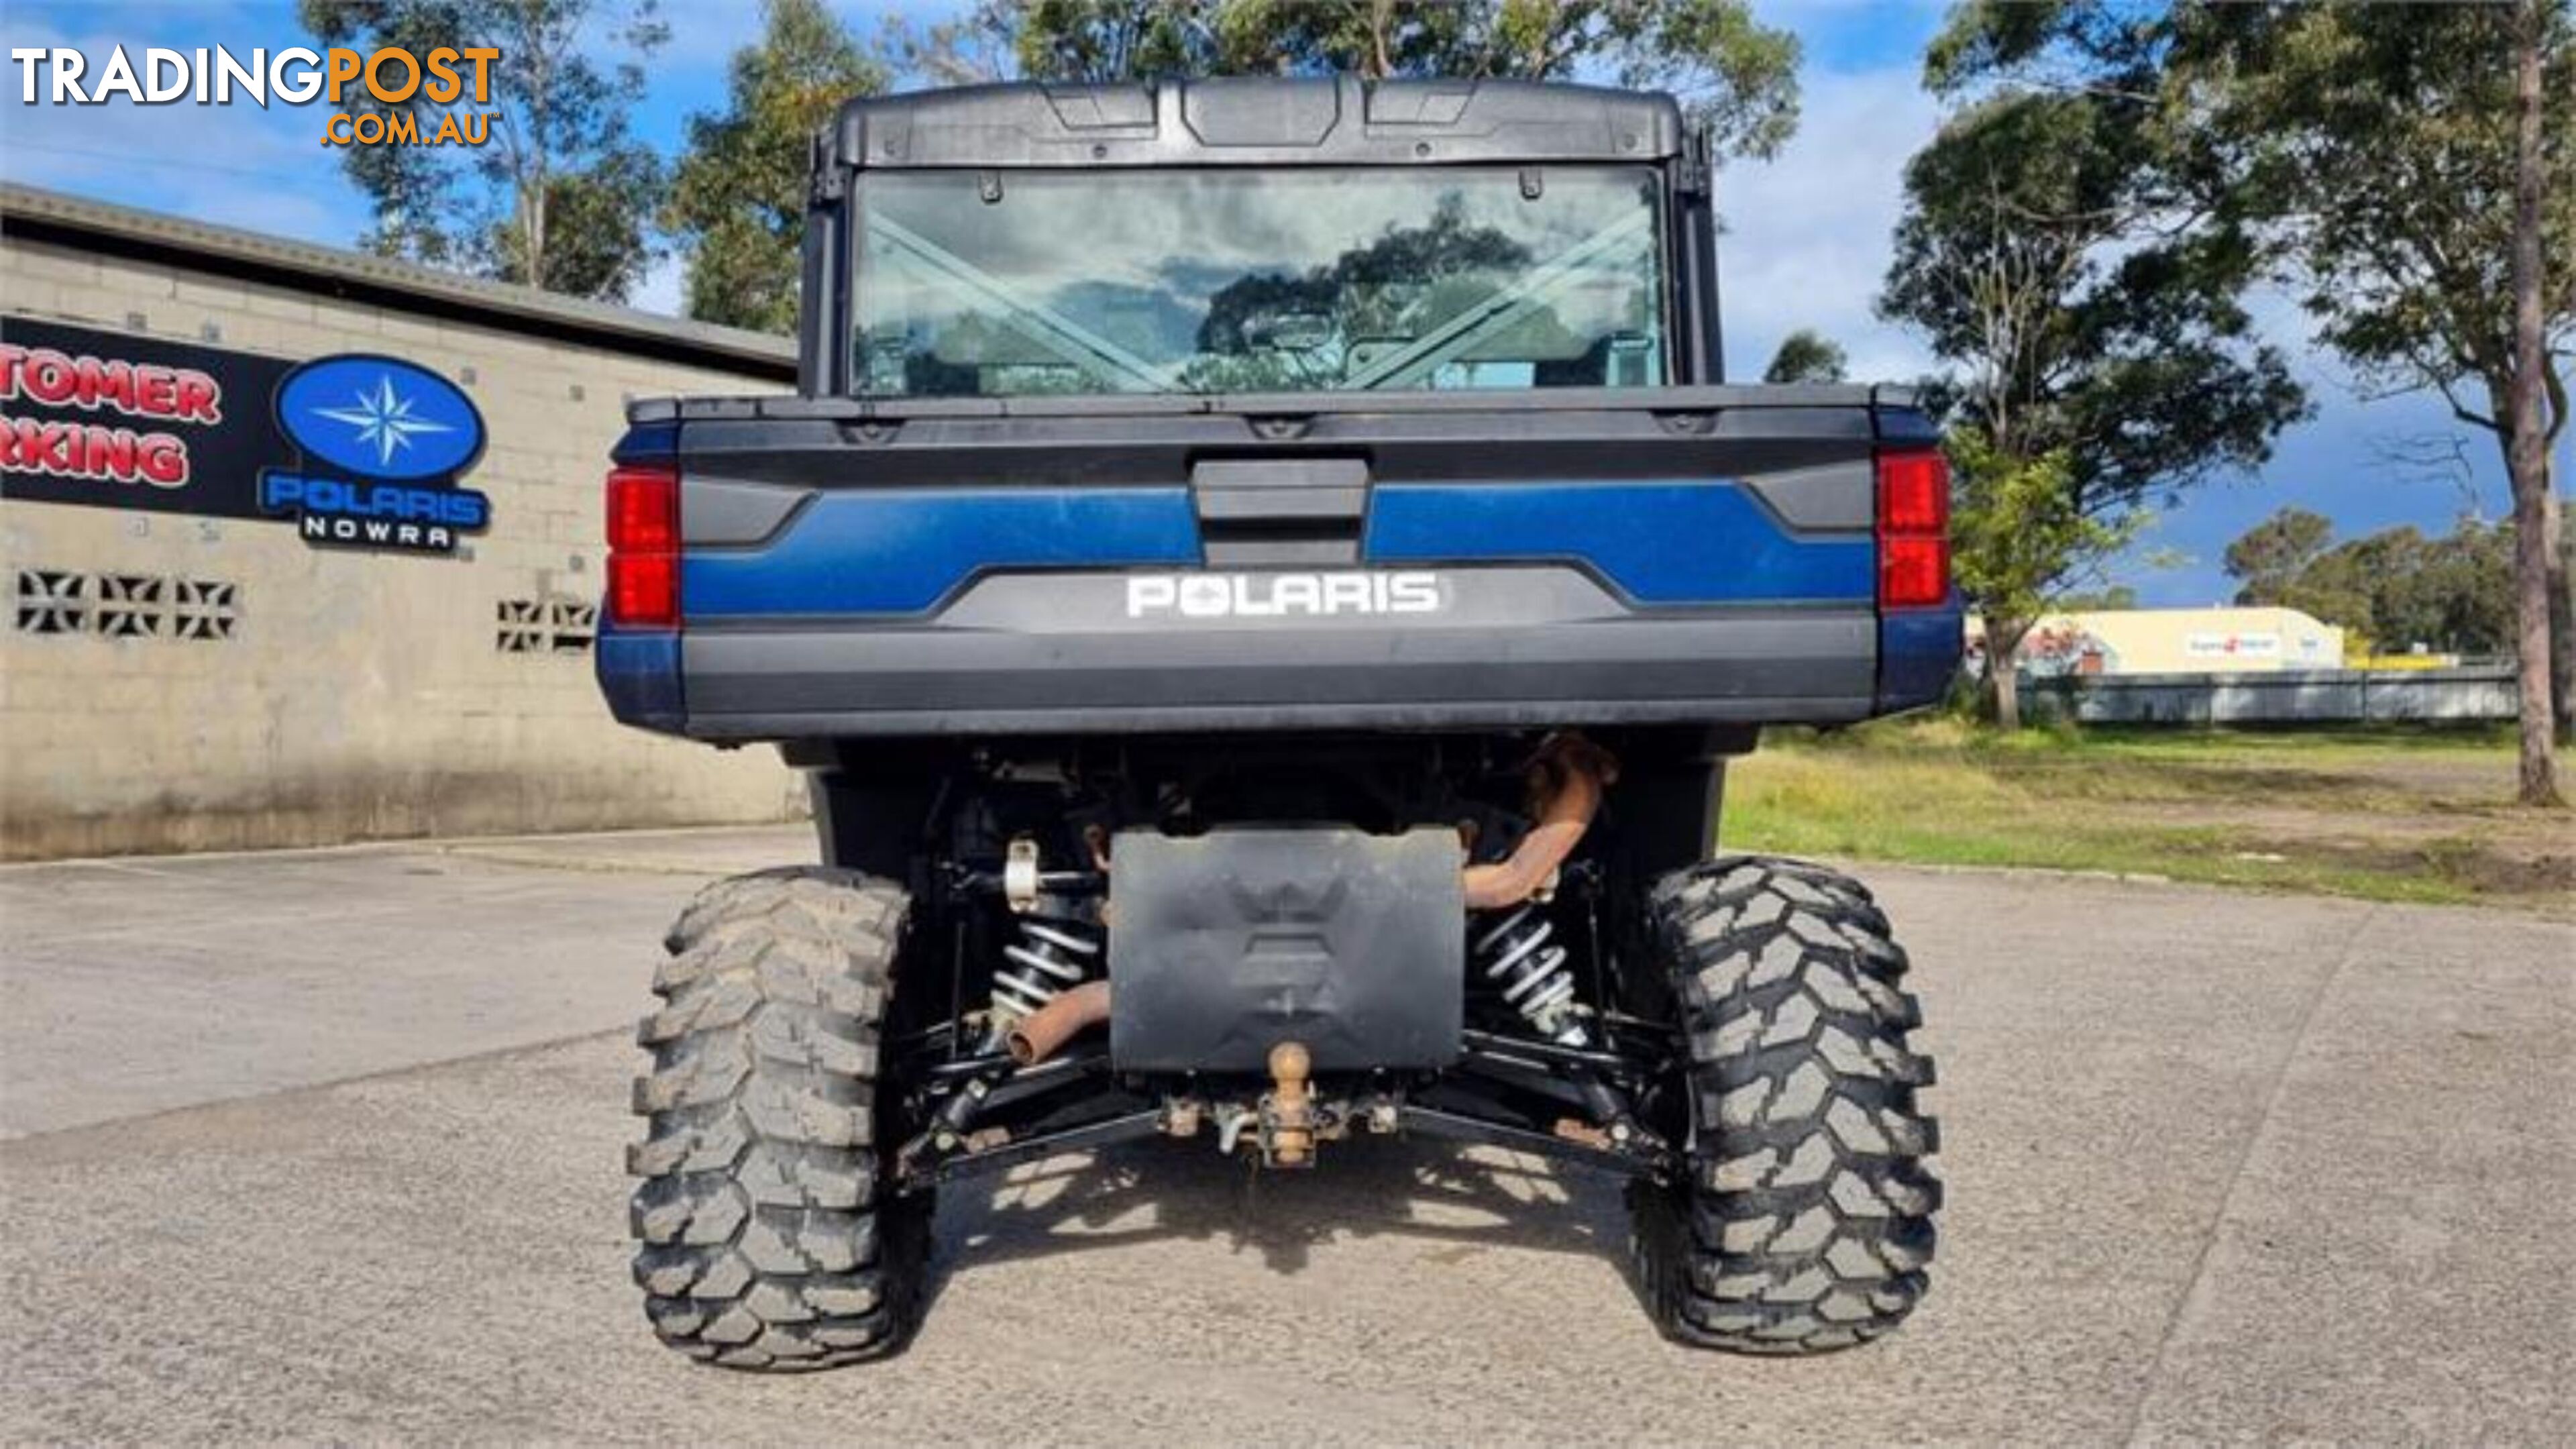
x=1381 y=64
x=2562 y=588
x=2007 y=687
x=2526 y=457
x=2003 y=673
x=2562 y=608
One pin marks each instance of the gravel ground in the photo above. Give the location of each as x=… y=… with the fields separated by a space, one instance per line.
x=326 y=1146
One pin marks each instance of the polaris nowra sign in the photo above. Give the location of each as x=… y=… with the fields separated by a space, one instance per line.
x=383 y=442
x=357 y=451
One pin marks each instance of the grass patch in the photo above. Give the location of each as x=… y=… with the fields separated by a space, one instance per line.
x=2384 y=813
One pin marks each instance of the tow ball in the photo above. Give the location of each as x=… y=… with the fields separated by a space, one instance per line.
x=1287 y=1113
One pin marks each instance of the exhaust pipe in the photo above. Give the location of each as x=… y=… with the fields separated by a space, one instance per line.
x=1042 y=1033
x=1566 y=783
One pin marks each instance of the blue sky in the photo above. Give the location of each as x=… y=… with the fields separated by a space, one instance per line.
x=1806 y=247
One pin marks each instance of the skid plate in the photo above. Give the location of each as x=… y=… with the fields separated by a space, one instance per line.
x=1221 y=946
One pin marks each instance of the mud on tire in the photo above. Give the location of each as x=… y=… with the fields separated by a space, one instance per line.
x=767 y=1237
x=1804 y=1221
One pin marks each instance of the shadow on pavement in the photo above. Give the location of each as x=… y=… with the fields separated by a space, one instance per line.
x=1365 y=1188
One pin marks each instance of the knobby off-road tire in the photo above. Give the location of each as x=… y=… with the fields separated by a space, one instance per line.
x=1804 y=1221
x=767 y=1234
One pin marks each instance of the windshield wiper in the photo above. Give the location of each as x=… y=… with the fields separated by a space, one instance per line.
x=1062 y=335
x=1497 y=312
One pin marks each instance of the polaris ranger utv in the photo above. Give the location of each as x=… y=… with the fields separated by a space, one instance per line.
x=1264 y=578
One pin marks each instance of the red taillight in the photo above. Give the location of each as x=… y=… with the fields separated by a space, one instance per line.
x=644 y=590
x=1913 y=573
x=1913 y=493
x=1913 y=529
x=644 y=547
x=644 y=510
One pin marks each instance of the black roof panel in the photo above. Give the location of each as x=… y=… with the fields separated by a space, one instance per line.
x=1260 y=121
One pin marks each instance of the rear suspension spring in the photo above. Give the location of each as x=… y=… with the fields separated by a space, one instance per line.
x=1053 y=955
x=1519 y=956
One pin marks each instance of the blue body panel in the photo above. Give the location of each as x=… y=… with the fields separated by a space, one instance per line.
x=647 y=443
x=902 y=551
x=1918 y=654
x=1664 y=542
x=639 y=672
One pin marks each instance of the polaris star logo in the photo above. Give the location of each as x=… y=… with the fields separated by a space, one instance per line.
x=1270 y=596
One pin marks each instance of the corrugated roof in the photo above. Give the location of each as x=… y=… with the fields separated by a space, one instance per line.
x=53 y=216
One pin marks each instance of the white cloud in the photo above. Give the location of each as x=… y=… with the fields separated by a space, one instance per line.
x=1807 y=239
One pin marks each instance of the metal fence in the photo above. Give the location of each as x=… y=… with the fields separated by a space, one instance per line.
x=2469 y=693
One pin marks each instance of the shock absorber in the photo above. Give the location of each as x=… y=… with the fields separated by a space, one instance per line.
x=1530 y=967
x=1053 y=955
x=1519 y=956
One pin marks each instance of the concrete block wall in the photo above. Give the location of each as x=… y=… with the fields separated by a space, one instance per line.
x=359 y=695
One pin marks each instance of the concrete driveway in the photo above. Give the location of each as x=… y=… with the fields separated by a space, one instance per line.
x=326 y=1146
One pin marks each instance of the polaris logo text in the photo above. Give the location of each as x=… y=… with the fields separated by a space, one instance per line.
x=1271 y=596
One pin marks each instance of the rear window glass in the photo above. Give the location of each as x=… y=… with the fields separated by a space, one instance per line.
x=1186 y=281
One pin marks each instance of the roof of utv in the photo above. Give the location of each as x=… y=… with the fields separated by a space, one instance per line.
x=1258 y=122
